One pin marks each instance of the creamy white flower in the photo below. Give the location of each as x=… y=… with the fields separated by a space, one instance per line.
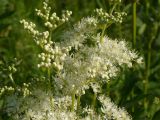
x=111 y=111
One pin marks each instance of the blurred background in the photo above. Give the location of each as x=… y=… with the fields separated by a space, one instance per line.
x=137 y=89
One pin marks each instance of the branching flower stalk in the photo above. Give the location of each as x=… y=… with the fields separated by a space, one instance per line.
x=102 y=34
x=44 y=39
x=12 y=69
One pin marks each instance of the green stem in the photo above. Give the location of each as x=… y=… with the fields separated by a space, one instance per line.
x=147 y=75
x=108 y=88
x=102 y=34
x=50 y=87
x=105 y=26
x=73 y=94
x=134 y=22
x=13 y=82
x=49 y=73
x=73 y=100
x=49 y=79
x=94 y=100
x=114 y=6
x=78 y=102
x=147 y=7
x=50 y=34
x=134 y=15
x=132 y=95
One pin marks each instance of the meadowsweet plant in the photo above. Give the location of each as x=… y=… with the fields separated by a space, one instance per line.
x=83 y=59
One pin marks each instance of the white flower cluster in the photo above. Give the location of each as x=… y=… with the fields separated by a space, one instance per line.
x=111 y=111
x=76 y=36
x=96 y=87
x=100 y=62
x=91 y=115
x=38 y=107
x=105 y=17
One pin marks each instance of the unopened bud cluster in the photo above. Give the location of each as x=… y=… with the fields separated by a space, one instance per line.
x=12 y=68
x=105 y=17
x=6 y=89
x=52 y=55
x=115 y=1
x=25 y=89
x=51 y=20
x=30 y=27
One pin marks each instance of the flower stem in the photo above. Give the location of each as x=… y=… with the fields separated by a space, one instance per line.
x=73 y=100
x=147 y=76
x=108 y=88
x=50 y=87
x=133 y=37
x=78 y=102
x=114 y=6
x=94 y=100
x=134 y=22
x=11 y=78
x=102 y=34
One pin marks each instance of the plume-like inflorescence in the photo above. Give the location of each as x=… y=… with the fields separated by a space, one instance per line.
x=89 y=63
x=111 y=111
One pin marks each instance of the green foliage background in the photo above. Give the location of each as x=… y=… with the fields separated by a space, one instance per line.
x=137 y=89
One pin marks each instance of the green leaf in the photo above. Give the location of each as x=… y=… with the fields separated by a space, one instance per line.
x=156 y=115
x=1 y=103
x=142 y=29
